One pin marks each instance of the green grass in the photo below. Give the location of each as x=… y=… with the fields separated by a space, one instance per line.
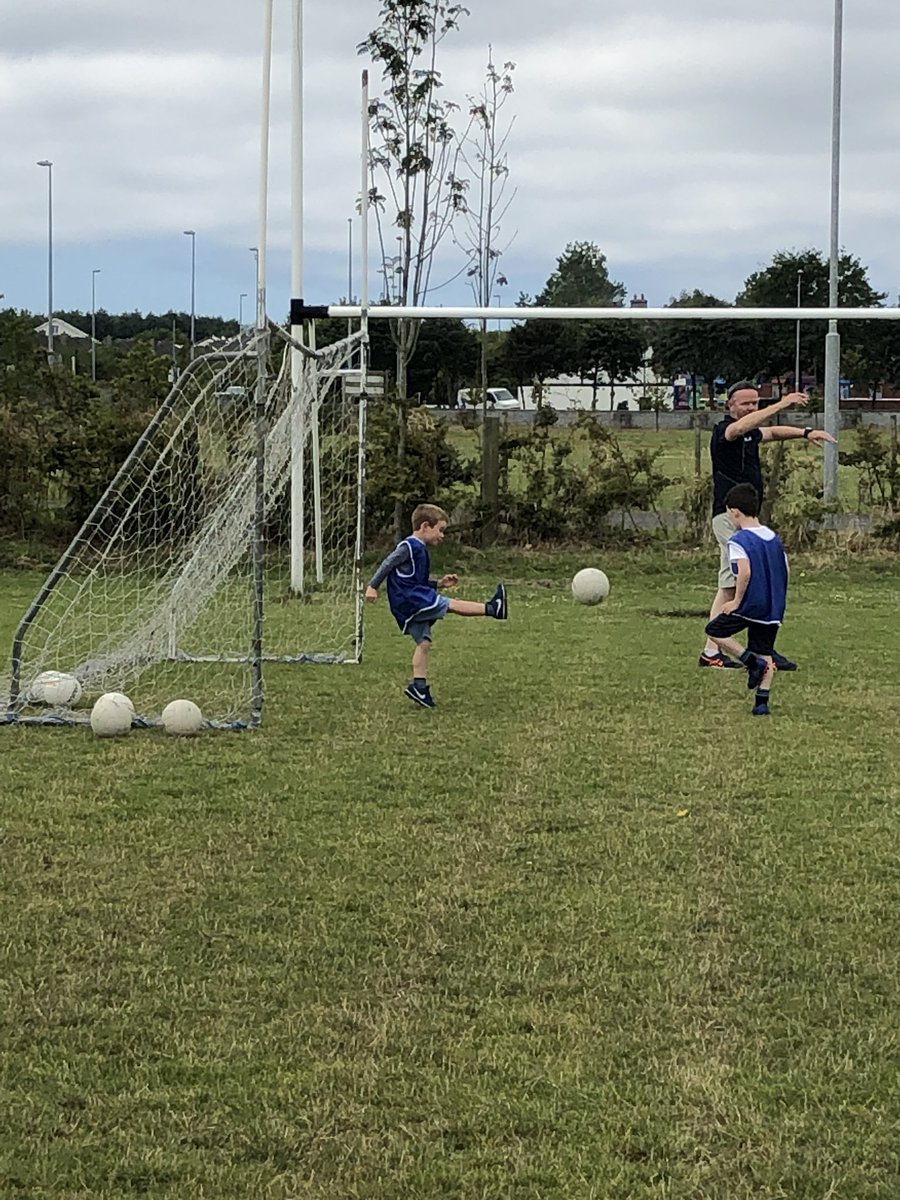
x=677 y=458
x=588 y=930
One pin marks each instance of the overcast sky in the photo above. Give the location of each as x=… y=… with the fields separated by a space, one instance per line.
x=690 y=139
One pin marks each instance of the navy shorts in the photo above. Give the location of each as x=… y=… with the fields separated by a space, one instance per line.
x=419 y=626
x=760 y=637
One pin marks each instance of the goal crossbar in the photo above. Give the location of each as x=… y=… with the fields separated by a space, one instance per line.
x=387 y=312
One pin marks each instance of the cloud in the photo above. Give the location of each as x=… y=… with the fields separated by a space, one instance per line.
x=691 y=138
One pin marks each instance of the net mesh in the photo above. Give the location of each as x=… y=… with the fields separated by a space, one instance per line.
x=158 y=595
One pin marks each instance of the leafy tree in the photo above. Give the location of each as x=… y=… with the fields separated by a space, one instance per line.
x=142 y=382
x=873 y=356
x=611 y=348
x=21 y=355
x=591 y=349
x=705 y=349
x=581 y=280
x=446 y=356
x=61 y=439
x=127 y=326
x=433 y=468
x=446 y=360
x=776 y=286
x=534 y=351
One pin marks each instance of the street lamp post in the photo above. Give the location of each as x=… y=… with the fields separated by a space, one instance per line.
x=254 y=250
x=832 y=339
x=193 y=236
x=45 y=162
x=798 y=385
x=241 y=299
x=350 y=259
x=94 y=273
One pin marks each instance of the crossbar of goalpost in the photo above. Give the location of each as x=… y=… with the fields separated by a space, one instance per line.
x=384 y=312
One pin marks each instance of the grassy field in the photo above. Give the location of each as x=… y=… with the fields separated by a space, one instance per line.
x=587 y=930
x=677 y=458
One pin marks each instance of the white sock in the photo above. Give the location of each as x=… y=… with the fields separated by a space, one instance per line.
x=711 y=649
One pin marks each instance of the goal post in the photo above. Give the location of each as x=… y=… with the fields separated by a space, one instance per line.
x=832 y=315
x=386 y=312
x=177 y=585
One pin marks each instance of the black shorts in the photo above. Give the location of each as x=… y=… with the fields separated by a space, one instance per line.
x=760 y=637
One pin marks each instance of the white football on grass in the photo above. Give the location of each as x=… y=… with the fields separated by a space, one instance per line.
x=111 y=715
x=182 y=718
x=55 y=689
x=590 y=586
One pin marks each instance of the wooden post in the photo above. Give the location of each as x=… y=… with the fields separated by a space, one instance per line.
x=698 y=447
x=490 y=475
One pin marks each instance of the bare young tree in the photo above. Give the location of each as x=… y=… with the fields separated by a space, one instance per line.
x=414 y=186
x=413 y=158
x=483 y=151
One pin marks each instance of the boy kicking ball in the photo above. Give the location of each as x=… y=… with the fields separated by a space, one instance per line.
x=760 y=566
x=414 y=598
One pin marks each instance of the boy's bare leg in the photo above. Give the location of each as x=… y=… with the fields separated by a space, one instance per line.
x=722 y=597
x=735 y=649
x=495 y=607
x=420 y=660
x=468 y=608
x=730 y=646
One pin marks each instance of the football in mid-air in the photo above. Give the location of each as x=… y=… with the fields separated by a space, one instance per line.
x=590 y=586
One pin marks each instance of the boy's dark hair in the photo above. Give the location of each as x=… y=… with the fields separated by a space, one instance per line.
x=745 y=498
x=742 y=385
x=428 y=514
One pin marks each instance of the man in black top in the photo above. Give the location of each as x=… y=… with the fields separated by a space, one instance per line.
x=734 y=449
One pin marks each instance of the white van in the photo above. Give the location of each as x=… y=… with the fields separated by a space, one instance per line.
x=501 y=399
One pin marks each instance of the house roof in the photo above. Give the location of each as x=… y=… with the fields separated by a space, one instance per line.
x=62 y=329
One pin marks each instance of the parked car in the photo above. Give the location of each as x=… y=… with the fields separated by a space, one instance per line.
x=497 y=397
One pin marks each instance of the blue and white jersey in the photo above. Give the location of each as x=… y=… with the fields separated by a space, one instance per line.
x=766 y=595
x=410 y=590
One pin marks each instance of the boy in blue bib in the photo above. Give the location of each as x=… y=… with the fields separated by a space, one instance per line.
x=413 y=596
x=760 y=567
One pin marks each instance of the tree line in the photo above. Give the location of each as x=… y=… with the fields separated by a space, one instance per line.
x=448 y=353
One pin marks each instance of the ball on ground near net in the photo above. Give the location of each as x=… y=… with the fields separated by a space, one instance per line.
x=54 y=688
x=590 y=586
x=111 y=715
x=182 y=718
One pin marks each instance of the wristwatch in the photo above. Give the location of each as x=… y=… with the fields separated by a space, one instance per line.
x=807 y=431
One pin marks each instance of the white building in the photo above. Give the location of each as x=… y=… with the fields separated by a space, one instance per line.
x=62 y=329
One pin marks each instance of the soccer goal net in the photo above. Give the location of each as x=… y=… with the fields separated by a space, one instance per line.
x=230 y=535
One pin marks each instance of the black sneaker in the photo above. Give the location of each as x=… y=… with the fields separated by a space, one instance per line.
x=497 y=606
x=756 y=671
x=719 y=660
x=783 y=664
x=760 y=710
x=420 y=696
